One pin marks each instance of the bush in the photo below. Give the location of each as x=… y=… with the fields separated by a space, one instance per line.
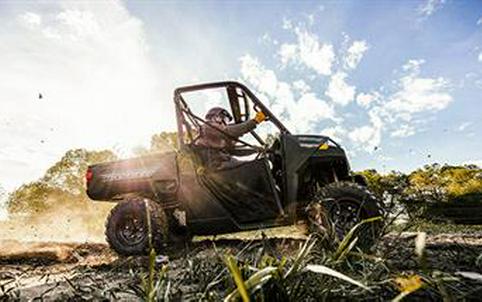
x=434 y=191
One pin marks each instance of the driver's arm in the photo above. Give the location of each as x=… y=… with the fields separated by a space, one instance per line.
x=238 y=130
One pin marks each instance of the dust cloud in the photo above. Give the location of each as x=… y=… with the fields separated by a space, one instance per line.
x=76 y=223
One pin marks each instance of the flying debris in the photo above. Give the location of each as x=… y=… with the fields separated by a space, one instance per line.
x=429 y=156
x=40 y=96
x=375 y=148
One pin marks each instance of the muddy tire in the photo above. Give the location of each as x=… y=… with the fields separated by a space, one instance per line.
x=127 y=230
x=339 y=206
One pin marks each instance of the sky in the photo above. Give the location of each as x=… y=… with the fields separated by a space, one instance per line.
x=397 y=83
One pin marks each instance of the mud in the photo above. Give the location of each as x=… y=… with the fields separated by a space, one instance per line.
x=53 y=271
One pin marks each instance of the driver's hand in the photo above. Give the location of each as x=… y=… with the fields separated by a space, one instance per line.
x=260 y=117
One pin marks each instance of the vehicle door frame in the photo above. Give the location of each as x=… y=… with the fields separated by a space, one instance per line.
x=230 y=86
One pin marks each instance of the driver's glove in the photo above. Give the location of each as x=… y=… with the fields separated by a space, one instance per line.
x=260 y=117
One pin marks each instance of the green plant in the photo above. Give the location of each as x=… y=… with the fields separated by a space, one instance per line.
x=155 y=284
x=313 y=264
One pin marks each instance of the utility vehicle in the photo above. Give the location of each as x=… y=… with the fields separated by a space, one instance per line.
x=283 y=179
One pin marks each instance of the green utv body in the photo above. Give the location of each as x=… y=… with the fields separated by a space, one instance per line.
x=176 y=195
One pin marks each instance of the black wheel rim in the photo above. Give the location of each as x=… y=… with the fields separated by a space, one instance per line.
x=131 y=230
x=345 y=214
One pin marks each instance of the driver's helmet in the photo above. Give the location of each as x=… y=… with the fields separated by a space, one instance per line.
x=219 y=115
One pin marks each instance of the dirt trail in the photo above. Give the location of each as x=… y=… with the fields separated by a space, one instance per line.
x=12 y=251
x=60 y=271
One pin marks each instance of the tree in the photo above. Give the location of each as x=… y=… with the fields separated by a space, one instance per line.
x=374 y=180
x=164 y=142
x=62 y=183
x=426 y=184
x=3 y=202
x=461 y=181
x=391 y=187
x=68 y=173
x=436 y=183
x=35 y=197
x=160 y=143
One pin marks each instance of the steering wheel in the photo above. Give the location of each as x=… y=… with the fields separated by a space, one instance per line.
x=268 y=150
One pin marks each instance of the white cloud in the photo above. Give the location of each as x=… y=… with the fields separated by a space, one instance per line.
x=339 y=91
x=480 y=57
x=309 y=111
x=366 y=137
x=264 y=79
x=420 y=94
x=308 y=51
x=301 y=86
x=413 y=65
x=287 y=52
x=314 y=54
x=287 y=24
x=100 y=88
x=337 y=133
x=365 y=100
x=30 y=19
x=355 y=53
x=415 y=97
x=429 y=7
x=463 y=126
x=417 y=94
x=403 y=131
x=397 y=110
x=311 y=19
x=300 y=115
x=479 y=22
x=369 y=137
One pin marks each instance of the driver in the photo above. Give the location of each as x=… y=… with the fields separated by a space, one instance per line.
x=219 y=145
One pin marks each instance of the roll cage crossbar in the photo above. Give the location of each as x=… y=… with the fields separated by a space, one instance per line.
x=196 y=120
x=182 y=109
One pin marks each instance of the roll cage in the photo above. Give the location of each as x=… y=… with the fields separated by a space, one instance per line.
x=188 y=123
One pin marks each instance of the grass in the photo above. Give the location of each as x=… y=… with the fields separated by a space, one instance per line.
x=315 y=268
x=400 y=269
x=266 y=269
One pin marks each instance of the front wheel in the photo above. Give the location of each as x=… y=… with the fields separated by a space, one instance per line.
x=339 y=207
x=130 y=232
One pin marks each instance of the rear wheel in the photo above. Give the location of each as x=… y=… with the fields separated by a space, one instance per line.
x=127 y=227
x=340 y=206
